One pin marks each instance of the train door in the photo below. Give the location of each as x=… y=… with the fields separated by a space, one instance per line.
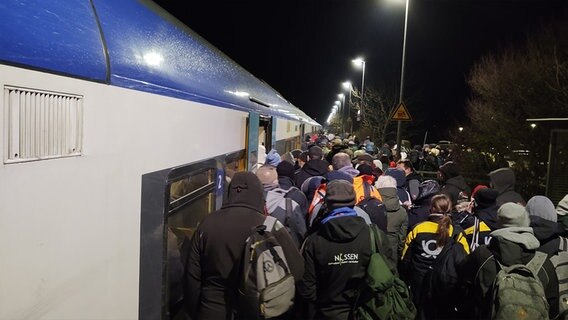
x=261 y=134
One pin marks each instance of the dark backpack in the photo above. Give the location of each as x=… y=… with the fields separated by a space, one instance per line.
x=441 y=284
x=374 y=208
x=266 y=287
x=382 y=294
x=427 y=188
x=288 y=212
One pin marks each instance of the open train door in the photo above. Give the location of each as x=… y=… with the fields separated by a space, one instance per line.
x=252 y=140
x=261 y=131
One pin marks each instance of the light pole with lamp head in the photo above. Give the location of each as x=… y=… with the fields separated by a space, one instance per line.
x=399 y=124
x=360 y=63
x=347 y=86
x=341 y=97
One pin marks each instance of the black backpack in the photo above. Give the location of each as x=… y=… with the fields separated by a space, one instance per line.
x=441 y=283
x=374 y=208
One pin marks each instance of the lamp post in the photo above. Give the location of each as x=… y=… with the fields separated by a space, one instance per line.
x=347 y=86
x=360 y=63
x=341 y=97
x=399 y=124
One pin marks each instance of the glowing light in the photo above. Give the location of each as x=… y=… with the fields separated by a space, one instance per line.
x=460 y=129
x=359 y=62
x=153 y=58
x=346 y=85
x=533 y=125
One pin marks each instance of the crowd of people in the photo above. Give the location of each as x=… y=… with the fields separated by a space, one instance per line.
x=487 y=239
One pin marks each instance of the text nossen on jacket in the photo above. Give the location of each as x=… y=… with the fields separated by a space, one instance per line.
x=343 y=258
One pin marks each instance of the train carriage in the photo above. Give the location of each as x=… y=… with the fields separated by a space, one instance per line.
x=118 y=123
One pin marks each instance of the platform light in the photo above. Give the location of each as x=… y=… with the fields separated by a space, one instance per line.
x=460 y=129
x=533 y=125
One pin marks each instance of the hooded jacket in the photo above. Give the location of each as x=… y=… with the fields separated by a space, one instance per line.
x=397 y=221
x=503 y=181
x=456 y=189
x=336 y=257
x=487 y=223
x=312 y=168
x=400 y=178
x=513 y=245
x=211 y=279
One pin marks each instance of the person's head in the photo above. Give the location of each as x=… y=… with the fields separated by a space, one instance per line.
x=267 y=175
x=441 y=207
x=406 y=166
x=315 y=153
x=302 y=159
x=341 y=160
x=286 y=169
x=245 y=188
x=385 y=181
x=541 y=206
x=449 y=170
x=339 y=193
x=484 y=198
x=272 y=158
x=512 y=215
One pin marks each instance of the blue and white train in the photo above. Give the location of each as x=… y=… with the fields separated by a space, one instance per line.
x=118 y=123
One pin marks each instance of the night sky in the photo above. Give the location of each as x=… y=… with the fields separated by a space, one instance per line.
x=303 y=49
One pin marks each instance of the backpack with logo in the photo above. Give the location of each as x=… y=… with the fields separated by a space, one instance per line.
x=560 y=263
x=518 y=292
x=266 y=287
x=441 y=283
x=374 y=208
x=382 y=294
x=288 y=212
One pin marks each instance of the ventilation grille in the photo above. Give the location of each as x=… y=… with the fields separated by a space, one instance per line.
x=41 y=125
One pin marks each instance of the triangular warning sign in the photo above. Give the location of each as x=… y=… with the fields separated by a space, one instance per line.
x=401 y=113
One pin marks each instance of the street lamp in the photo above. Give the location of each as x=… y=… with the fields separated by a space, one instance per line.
x=399 y=124
x=341 y=97
x=347 y=86
x=360 y=63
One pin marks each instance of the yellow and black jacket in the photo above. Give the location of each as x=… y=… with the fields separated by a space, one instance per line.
x=477 y=227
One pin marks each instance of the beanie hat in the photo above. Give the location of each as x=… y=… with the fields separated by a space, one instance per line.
x=272 y=158
x=365 y=169
x=339 y=175
x=512 y=215
x=315 y=152
x=562 y=208
x=286 y=169
x=541 y=206
x=485 y=198
x=477 y=188
x=339 y=193
x=449 y=170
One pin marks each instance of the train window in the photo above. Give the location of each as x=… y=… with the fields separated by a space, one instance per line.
x=41 y=125
x=192 y=198
x=235 y=162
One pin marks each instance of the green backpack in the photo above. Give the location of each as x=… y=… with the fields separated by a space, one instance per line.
x=382 y=294
x=518 y=293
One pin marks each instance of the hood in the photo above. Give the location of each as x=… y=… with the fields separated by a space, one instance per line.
x=350 y=171
x=285 y=182
x=503 y=180
x=246 y=191
x=541 y=206
x=342 y=229
x=390 y=198
x=510 y=244
x=316 y=167
x=398 y=175
x=545 y=230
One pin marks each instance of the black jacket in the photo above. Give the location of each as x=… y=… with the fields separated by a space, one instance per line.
x=478 y=273
x=336 y=257
x=503 y=181
x=456 y=189
x=211 y=278
x=419 y=211
x=310 y=169
x=548 y=234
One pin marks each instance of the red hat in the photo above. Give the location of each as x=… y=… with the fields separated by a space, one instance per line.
x=477 y=188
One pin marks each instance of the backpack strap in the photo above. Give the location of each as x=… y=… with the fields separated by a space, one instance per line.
x=563 y=244
x=475 y=236
x=536 y=262
x=269 y=222
x=366 y=192
x=288 y=211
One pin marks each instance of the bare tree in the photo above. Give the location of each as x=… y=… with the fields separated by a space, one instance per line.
x=377 y=109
